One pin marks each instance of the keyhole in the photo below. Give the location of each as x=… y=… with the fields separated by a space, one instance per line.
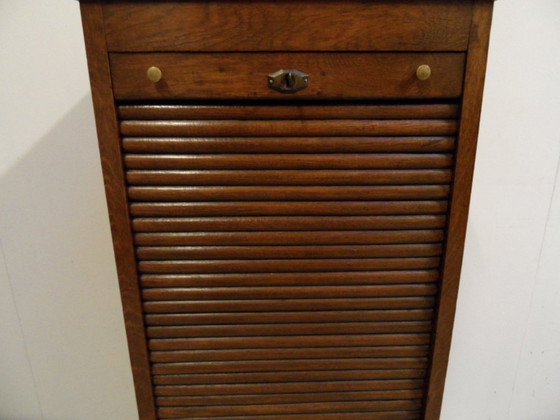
x=290 y=80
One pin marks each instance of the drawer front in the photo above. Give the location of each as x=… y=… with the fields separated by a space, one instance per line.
x=290 y=25
x=246 y=75
x=289 y=268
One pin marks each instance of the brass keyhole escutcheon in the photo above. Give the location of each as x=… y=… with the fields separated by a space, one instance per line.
x=288 y=80
x=154 y=74
x=423 y=72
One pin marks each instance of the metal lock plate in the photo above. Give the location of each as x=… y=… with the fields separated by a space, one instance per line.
x=288 y=80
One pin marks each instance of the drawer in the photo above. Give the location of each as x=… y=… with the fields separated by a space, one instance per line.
x=246 y=75
x=290 y=25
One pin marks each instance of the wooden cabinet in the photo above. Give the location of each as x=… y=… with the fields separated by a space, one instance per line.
x=288 y=186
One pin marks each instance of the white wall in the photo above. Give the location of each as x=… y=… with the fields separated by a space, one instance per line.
x=62 y=344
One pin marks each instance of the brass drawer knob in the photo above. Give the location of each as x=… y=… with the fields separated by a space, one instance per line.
x=154 y=74
x=423 y=72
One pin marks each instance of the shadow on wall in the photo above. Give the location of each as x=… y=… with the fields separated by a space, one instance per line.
x=55 y=233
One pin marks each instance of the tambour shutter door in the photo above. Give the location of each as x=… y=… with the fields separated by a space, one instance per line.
x=289 y=255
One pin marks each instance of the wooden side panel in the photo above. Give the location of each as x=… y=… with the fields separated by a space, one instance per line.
x=466 y=152
x=290 y=25
x=245 y=76
x=113 y=173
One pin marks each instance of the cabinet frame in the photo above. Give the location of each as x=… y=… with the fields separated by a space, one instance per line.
x=116 y=193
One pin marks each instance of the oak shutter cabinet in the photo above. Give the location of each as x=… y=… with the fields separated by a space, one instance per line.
x=288 y=185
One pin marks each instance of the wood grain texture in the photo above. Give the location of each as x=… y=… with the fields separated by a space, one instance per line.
x=290 y=317
x=289 y=279
x=289 y=238
x=113 y=175
x=289 y=177
x=289 y=292
x=279 y=376
x=290 y=305
x=290 y=112
x=289 y=329
x=271 y=252
x=281 y=409
x=331 y=75
x=287 y=387
x=289 y=25
x=294 y=223
x=281 y=193
x=472 y=102
x=258 y=128
x=286 y=266
x=280 y=256
x=380 y=415
x=288 y=354
x=291 y=161
x=290 y=398
x=289 y=144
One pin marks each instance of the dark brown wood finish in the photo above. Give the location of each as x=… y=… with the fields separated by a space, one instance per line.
x=244 y=75
x=117 y=202
x=291 y=25
x=466 y=153
x=291 y=256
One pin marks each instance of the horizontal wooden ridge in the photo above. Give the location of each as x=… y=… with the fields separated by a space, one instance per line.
x=287 y=112
x=297 y=208
x=289 y=279
x=287 y=387
x=287 y=251
x=290 y=398
x=291 y=292
x=289 y=255
x=273 y=193
x=293 y=223
x=252 y=128
x=295 y=408
x=281 y=377
x=287 y=354
x=289 y=177
x=242 y=318
x=289 y=305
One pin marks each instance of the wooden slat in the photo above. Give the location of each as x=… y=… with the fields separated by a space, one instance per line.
x=289 y=305
x=287 y=112
x=291 y=292
x=289 y=238
x=272 y=128
x=288 y=387
x=379 y=415
x=285 y=266
x=271 y=252
x=281 y=409
x=261 y=26
x=288 y=365
x=225 y=224
x=291 y=161
x=268 y=193
x=288 y=144
x=286 y=354
x=304 y=208
x=294 y=317
x=290 y=177
x=289 y=398
x=289 y=279
x=278 y=376
x=262 y=330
